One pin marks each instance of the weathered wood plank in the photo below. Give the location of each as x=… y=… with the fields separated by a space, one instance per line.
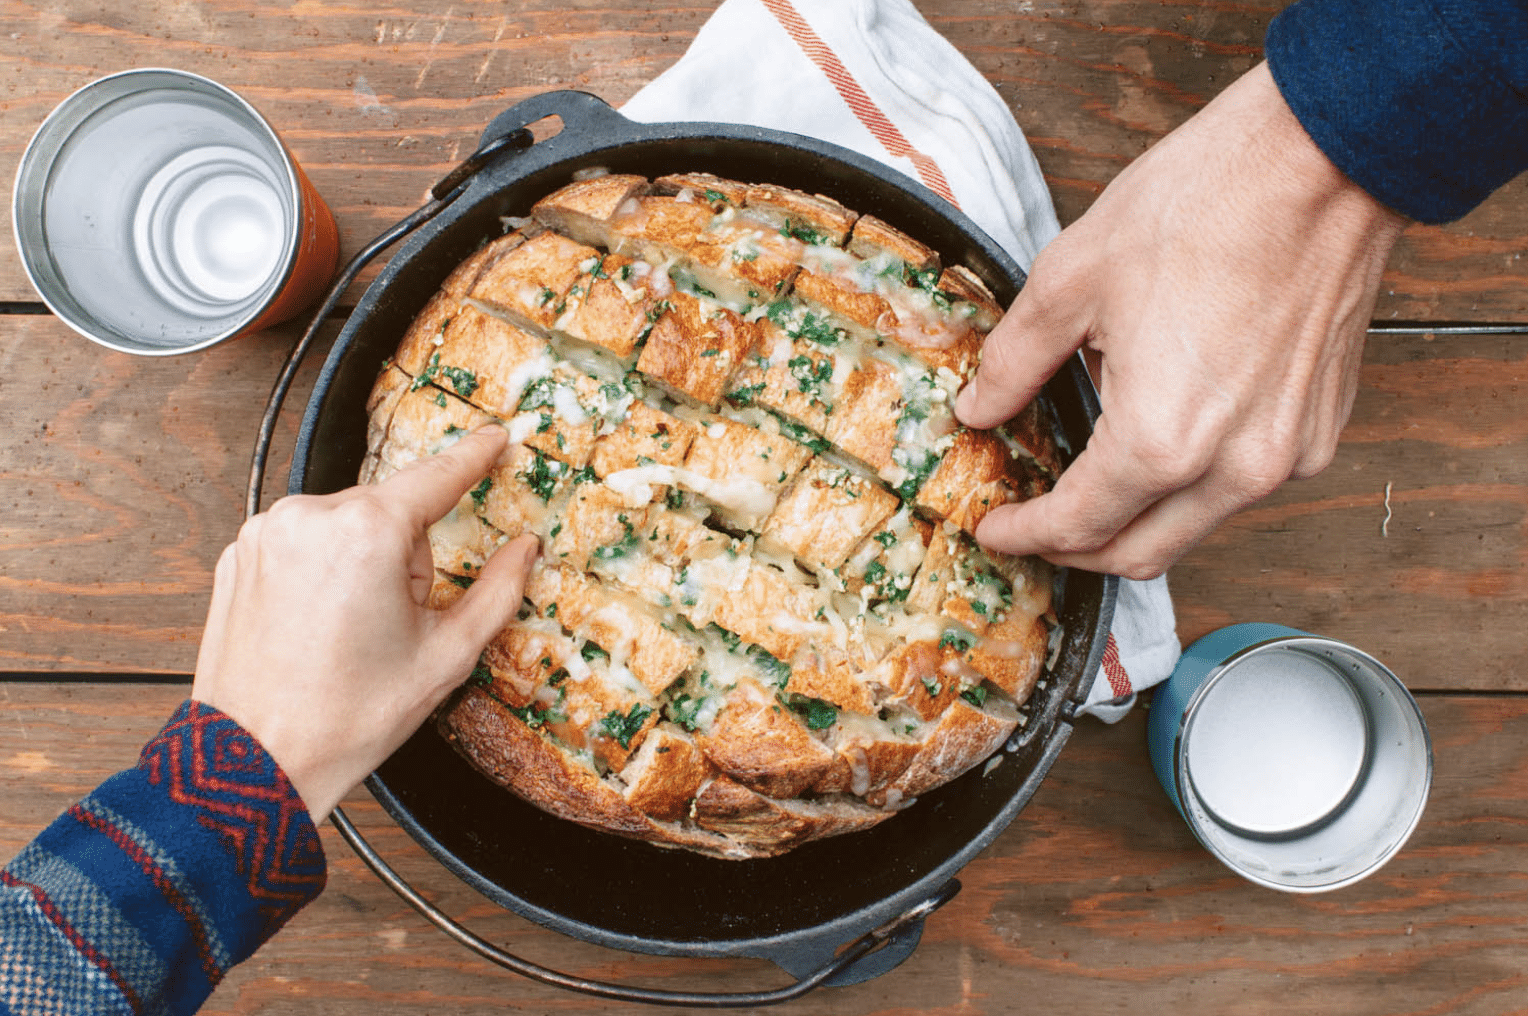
x=378 y=102
x=1441 y=592
x=124 y=479
x=1096 y=900
x=121 y=480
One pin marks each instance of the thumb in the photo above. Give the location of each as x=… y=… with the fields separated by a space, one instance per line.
x=1032 y=340
x=492 y=602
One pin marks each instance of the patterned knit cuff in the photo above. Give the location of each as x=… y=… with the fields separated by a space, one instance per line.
x=205 y=761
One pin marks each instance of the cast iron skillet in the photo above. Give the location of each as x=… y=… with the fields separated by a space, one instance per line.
x=796 y=910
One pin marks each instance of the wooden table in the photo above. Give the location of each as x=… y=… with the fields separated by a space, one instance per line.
x=121 y=479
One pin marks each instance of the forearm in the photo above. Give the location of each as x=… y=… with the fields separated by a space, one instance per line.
x=143 y=895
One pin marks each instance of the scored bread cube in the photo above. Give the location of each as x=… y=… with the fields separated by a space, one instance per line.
x=391 y=385
x=962 y=284
x=613 y=621
x=646 y=436
x=523 y=658
x=612 y=306
x=427 y=421
x=959 y=581
x=873 y=238
x=461 y=542
x=514 y=497
x=659 y=228
x=873 y=757
x=770 y=610
x=825 y=672
x=664 y=774
x=913 y=675
x=694 y=347
x=863 y=423
x=554 y=416
x=976 y=474
x=1027 y=436
x=762 y=745
x=965 y=735
x=419 y=342
x=813 y=219
x=1011 y=654
x=743 y=469
x=583 y=209
x=535 y=281
x=862 y=314
x=826 y=513
x=793 y=374
x=713 y=190
x=486 y=360
x=596 y=524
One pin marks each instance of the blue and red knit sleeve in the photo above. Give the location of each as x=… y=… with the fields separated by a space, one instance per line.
x=1422 y=103
x=140 y=897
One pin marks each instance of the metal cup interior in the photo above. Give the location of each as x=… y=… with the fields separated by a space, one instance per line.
x=156 y=212
x=1321 y=838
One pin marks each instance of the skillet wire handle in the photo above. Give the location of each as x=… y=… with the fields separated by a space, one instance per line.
x=442 y=194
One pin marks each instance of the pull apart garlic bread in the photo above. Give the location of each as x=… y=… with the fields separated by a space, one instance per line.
x=759 y=617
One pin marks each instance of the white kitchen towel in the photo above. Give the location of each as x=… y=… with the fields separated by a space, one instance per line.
x=873 y=76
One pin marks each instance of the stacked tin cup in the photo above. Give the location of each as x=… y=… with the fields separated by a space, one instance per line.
x=157 y=212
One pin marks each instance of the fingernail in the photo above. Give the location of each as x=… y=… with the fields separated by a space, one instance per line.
x=965 y=402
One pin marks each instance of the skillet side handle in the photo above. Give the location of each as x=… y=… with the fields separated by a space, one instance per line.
x=581 y=113
x=901 y=936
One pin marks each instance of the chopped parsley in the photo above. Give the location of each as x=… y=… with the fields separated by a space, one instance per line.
x=744 y=396
x=819 y=715
x=776 y=670
x=465 y=581
x=731 y=639
x=933 y=687
x=464 y=381
x=538 y=393
x=624 y=728
x=715 y=197
x=977 y=696
x=591 y=652
x=796 y=432
x=480 y=492
x=542 y=475
x=481 y=676
x=532 y=715
x=806 y=234
x=684 y=710
x=674 y=498
x=885 y=538
x=810 y=374
x=956 y=639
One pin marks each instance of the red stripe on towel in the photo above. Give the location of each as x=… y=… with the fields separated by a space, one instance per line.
x=1114 y=670
x=863 y=107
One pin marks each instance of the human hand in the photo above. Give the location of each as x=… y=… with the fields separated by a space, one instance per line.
x=318 y=640
x=1226 y=277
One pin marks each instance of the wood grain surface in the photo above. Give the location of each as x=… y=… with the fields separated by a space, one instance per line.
x=1096 y=900
x=378 y=102
x=125 y=477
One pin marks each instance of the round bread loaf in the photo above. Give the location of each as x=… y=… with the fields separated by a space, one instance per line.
x=759 y=616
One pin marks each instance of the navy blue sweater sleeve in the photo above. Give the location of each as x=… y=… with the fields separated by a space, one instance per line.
x=1422 y=103
x=138 y=899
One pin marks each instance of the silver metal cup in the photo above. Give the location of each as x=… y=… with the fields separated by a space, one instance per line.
x=157 y=212
x=1300 y=762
